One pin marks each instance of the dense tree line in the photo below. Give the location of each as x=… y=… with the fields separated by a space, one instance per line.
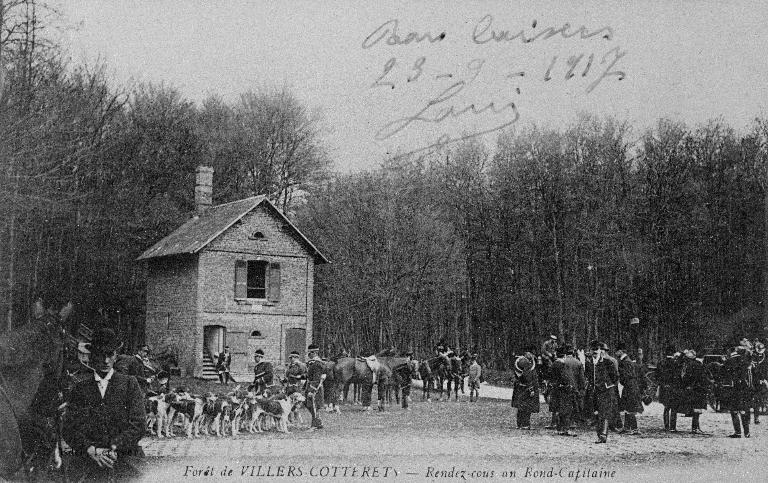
x=570 y=232
x=92 y=175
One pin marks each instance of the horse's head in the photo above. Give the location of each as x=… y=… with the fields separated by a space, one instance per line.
x=52 y=324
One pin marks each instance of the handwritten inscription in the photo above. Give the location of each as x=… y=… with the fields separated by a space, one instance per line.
x=483 y=33
x=387 y=32
x=457 y=99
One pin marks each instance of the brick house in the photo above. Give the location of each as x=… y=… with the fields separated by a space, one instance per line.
x=238 y=274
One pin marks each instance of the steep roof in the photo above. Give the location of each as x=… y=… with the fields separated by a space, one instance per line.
x=198 y=232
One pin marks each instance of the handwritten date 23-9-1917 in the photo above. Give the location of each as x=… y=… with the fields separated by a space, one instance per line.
x=453 y=99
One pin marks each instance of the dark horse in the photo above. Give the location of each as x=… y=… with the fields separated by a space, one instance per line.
x=433 y=372
x=31 y=362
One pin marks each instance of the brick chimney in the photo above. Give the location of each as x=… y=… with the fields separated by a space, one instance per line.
x=203 y=189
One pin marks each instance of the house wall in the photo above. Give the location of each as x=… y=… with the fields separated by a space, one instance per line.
x=216 y=286
x=172 y=309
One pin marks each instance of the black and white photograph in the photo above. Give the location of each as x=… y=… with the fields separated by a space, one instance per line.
x=396 y=241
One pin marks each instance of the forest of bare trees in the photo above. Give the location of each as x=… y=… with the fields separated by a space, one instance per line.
x=570 y=231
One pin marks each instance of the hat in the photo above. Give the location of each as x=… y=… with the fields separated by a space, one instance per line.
x=604 y=346
x=553 y=337
x=82 y=347
x=259 y=352
x=294 y=354
x=594 y=345
x=104 y=341
x=312 y=348
x=522 y=364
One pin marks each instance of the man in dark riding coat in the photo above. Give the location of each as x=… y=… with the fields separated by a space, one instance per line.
x=739 y=372
x=630 y=402
x=760 y=378
x=695 y=384
x=314 y=390
x=525 y=392
x=105 y=418
x=668 y=378
x=601 y=376
x=263 y=372
x=567 y=377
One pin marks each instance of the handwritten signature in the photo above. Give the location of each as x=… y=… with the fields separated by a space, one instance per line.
x=388 y=31
x=483 y=33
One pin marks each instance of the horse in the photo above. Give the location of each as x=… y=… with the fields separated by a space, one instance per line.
x=433 y=371
x=403 y=370
x=31 y=364
x=350 y=370
x=455 y=376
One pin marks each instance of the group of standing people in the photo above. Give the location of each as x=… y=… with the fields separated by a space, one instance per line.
x=587 y=387
x=742 y=379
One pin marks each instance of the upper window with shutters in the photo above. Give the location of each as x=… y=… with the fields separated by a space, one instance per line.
x=257 y=280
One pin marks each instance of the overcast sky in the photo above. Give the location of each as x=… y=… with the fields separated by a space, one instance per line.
x=685 y=60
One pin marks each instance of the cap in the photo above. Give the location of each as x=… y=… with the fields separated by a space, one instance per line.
x=294 y=354
x=553 y=337
x=259 y=352
x=312 y=348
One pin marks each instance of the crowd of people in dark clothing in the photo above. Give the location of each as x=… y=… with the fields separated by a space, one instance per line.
x=597 y=388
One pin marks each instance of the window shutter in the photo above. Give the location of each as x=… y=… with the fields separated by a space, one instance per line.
x=274 y=282
x=241 y=278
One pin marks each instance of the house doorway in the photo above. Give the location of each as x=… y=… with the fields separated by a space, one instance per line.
x=214 y=339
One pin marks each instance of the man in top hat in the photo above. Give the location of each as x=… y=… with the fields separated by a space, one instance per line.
x=223 y=362
x=263 y=372
x=295 y=373
x=695 y=385
x=760 y=373
x=105 y=417
x=314 y=391
x=630 y=402
x=601 y=377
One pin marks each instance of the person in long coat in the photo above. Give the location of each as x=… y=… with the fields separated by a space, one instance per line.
x=567 y=377
x=760 y=374
x=630 y=401
x=695 y=384
x=738 y=369
x=668 y=378
x=105 y=418
x=602 y=377
x=525 y=392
